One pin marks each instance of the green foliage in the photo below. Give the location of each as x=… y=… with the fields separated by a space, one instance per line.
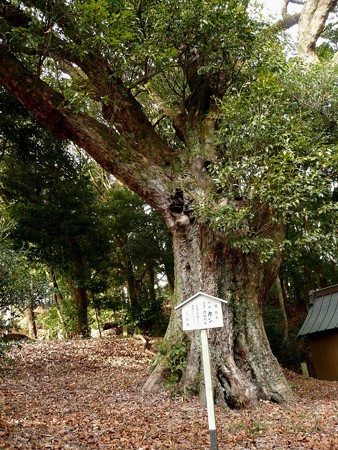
x=50 y=322
x=3 y=345
x=93 y=240
x=289 y=351
x=275 y=168
x=141 y=252
x=140 y=42
x=173 y=355
x=21 y=283
x=49 y=319
x=148 y=316
x=315 y=90
x=55 y=210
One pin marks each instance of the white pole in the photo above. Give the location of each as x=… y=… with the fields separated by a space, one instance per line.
x=208 y=390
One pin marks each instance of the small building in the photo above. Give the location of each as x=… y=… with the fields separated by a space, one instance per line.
x=321 y=326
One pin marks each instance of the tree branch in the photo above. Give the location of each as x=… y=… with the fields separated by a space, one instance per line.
x=146 y=77
x=288 y=21
x=13 y=15
x=311 y=24
x=105 y=144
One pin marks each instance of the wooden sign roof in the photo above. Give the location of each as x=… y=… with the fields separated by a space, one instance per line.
x=199 y=295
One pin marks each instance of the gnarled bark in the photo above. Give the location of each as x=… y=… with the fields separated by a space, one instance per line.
x=243 y=367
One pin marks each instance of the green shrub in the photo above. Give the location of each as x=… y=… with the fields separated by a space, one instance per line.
x=173 y=355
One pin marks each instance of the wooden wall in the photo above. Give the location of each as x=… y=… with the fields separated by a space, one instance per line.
x=324 y=349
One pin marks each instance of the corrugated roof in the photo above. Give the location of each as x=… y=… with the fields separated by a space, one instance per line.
x=323 y=314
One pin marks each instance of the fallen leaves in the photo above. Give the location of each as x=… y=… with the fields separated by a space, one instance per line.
x=87 y=395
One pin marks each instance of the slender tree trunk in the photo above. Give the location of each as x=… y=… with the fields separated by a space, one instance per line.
x=151 y=282
x=57 y=298
x=282 y=307
x=30 y=315
x=133 y=286
x=243 y=366
x=171 y=280
x=97 y=315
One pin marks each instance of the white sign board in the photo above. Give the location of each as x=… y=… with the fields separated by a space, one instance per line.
x=202 y=311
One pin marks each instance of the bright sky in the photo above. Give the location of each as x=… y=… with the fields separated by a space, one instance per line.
x=274 y=7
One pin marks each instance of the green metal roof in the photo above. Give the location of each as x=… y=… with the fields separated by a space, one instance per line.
x=323 y=313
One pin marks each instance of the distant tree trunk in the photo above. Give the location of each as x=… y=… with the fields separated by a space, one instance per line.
x=134 y=292
x=57 y=298
x=171 y=280
x=79 y=295
x=30 y=315
x=97 y=315
x=132 y=285
x=151 y=281
x=282 y=307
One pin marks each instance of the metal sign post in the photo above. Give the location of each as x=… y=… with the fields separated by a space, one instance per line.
x=201 y=312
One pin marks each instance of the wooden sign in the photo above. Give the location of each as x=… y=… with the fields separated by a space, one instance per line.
x=201 y=311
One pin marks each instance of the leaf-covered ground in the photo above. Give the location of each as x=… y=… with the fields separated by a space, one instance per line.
x=88 y=395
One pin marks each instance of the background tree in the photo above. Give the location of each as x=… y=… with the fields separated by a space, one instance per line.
x=55 y=210
x=40 y=183
x=141 y=256
x=151 y=116
x=22 y=288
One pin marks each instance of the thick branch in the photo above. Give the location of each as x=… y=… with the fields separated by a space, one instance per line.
x=105 y=144
x=119 y=107
x=288 y=21
x=48 y=105
x=311 y=24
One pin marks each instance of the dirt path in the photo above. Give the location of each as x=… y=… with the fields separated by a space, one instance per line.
x=88 y=395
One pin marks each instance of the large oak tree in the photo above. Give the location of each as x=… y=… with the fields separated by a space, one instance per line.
x=138 y=85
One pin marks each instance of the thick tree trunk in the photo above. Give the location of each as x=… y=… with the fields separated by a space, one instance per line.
x=125 y=142
x=244 y=368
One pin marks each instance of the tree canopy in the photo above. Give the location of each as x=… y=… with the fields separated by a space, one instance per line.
x=195 y=106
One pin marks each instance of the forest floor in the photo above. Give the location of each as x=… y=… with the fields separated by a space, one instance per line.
x=87 y=395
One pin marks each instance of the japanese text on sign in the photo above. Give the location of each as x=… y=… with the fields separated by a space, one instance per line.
x=202 y=313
